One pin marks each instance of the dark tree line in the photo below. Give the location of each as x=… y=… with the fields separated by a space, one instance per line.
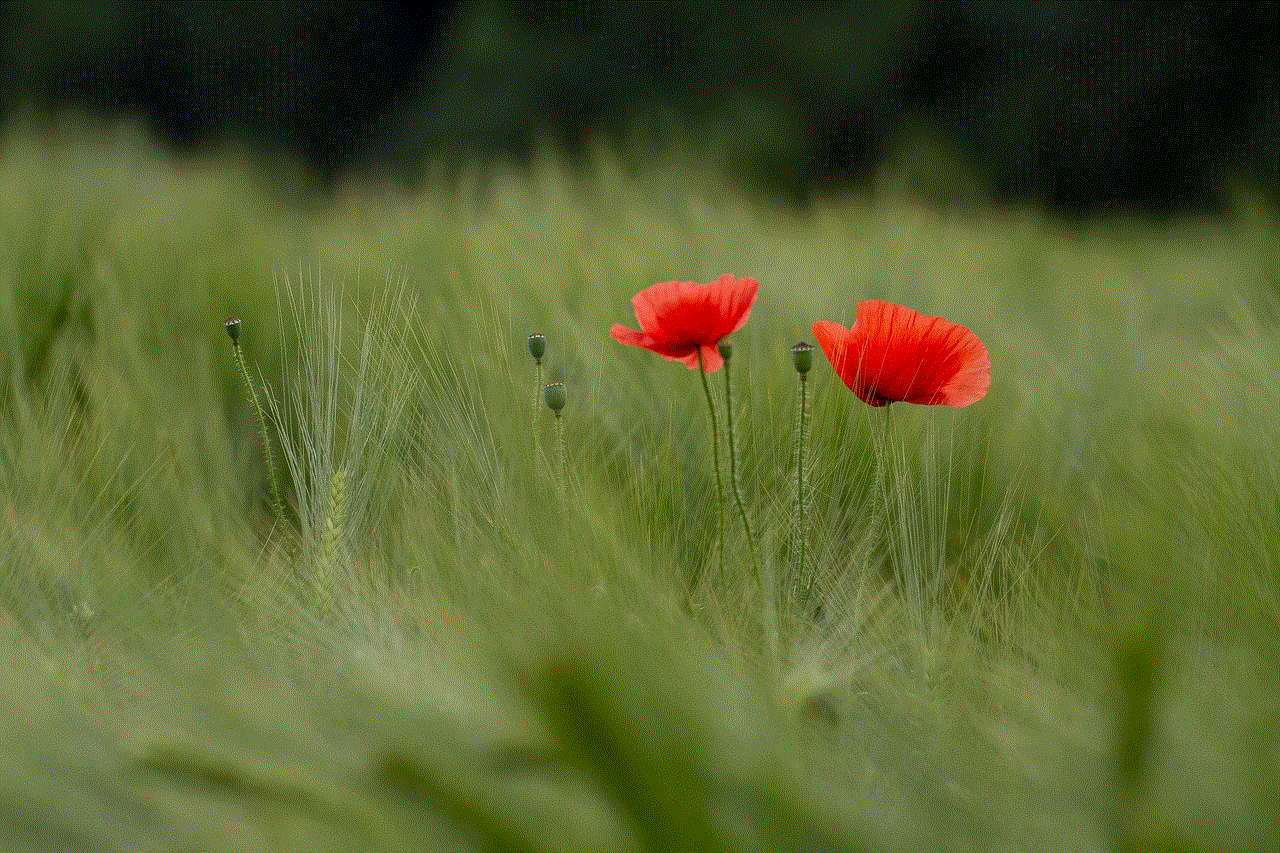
x=1080 y=104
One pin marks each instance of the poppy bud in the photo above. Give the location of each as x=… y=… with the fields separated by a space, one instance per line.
x=537 y=345
x=802 y=356
x=233 y=329
x=554 y=395
x=725 y=349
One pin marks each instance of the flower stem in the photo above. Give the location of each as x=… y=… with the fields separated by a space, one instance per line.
x=803 y=582
x=733 y=477
x=533 y=418
x=890 y=476
x=562 y=463
x=715 y=460
x=276 y=503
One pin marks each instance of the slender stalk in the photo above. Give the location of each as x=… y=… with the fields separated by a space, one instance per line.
x=276 y=503
x=562 y=466
x=802 y=359
x=733 y=476
x=896 y=538
x=537 y=349
x=554 y=394
x=802 y=579
x=715 y=459
x=876 y=542
x=533 y=419
x=884 y=472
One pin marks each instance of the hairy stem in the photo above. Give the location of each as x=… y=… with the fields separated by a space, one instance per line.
x=733 y=477
x=715 y=460
x=803 y=581
x=533 y=417
x=276 y=503
x=891 y=475
x=562 y=462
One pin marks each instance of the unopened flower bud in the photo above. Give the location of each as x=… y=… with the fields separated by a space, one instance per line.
x=537 y=345
x=553 y=393
x=802 y=356
x=725 y=349
x=233 y=329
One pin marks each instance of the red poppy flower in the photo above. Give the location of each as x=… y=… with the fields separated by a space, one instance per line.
x=680 y=318
x=895 y=354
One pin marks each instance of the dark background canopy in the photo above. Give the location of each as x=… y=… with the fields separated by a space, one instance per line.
x=1081 y=106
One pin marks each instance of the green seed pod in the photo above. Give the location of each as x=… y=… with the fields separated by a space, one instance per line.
x=553 y=393
x=233 y=329
x=537 y=345
x=725 y=349
x=802 y=356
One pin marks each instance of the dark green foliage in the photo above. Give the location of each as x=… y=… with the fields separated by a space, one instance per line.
x=1082 y=104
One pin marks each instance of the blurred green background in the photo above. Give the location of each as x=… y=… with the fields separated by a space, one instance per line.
x=1081 y=106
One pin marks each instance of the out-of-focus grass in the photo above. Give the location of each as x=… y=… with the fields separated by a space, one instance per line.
x=1068 y=643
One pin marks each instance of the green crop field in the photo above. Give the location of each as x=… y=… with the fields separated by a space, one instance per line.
x=1049 y=621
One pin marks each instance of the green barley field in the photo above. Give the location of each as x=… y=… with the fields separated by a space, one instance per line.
x=1046 y=622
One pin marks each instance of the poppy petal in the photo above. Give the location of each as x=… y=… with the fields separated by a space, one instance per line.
x=680 y=318
x=963 y=369
x=670 y=350
x=848 y=359
x=711 y=360
x=736 y=298
x=654 y=303
x=893 y=353
x=630 y=337
x=920 y=359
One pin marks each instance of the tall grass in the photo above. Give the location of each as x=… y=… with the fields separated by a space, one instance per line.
x=1049 y=621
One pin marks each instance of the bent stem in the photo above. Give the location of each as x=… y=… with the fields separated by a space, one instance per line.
x=733 y=477
x=715 y=460
x=276 y=503
x=768 y=598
